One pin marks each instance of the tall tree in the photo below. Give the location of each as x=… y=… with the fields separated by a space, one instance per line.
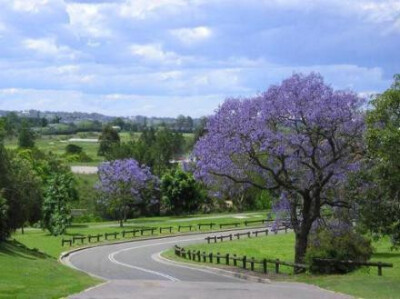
x=108 y=138
x=59 y=193
x=26 y=137
x=124 y=185
x=300 y=137
x=378 y=191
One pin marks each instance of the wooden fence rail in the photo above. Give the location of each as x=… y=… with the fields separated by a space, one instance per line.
x=134 y=232
x=237 y=235
x=238 y=261
x=206 y=224
x=379 y=265
x=166 y=228
x=185 y=226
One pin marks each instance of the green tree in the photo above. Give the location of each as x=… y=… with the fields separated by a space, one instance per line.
x=181 y=193
x=379 y=192
x=26 y=137
x=24 y=193
x=4 y=229
x=59 y=193
x=108 y=139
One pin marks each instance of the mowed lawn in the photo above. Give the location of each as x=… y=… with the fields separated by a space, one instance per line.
x=36 y=238
x=363 y=283
x=29 y=274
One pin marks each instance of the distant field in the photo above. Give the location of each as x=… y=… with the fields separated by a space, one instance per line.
x=57 y=144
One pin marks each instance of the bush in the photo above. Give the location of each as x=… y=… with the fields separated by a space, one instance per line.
x=73 y=149
x=337 y=241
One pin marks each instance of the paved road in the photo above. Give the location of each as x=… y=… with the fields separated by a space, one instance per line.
x=133 y=270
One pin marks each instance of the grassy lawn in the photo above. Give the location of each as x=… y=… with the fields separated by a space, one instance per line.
x=29 y=274
x=364 y=282
x=36 y=238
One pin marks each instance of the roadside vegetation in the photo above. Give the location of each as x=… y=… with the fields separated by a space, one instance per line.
x=363 y=283
x=27 y=273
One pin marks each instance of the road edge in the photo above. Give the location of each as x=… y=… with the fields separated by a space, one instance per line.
x=159 y=258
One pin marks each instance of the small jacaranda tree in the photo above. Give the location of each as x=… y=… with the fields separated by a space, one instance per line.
x=124 y=184
x=300 y=137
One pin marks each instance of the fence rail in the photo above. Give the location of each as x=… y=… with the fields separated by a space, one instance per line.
x=134 y=232
x=238 y=235
x=238 y=261
x=379 y=265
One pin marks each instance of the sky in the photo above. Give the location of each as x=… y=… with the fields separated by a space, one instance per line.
x=171 y=57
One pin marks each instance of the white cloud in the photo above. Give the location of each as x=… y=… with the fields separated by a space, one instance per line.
x=32 y=6
x=48 y=46
x=88 y=19
x=141 y=9
x=190 y=36
x=155 y=53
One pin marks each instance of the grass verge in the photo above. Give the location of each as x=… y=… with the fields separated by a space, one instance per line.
x=364 y=282
x=27 y=273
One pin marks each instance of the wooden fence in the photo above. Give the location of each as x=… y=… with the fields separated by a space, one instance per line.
x=133 y=233
x=379 y=265
x=239 y=261
x=221 y=238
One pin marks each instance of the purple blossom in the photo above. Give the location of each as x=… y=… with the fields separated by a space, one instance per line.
x=123 y=183
x=300 y=137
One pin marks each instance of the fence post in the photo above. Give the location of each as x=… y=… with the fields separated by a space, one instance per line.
x=265 y=265
x=227 y=259
x=211 y=257
x=252 y=264
x=244 y=262
x=183 y=253
x=198 y=256
x=204 y=257
x=379 y=269
x=234 y=260
x=218 y=258
x=215 y=239
x=277 y=266
x=238 y=236
x=190 y=255
x=249 y=235
x=230 y=237
x=266 y=232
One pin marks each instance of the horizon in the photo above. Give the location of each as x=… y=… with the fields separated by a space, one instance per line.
x=185 y=57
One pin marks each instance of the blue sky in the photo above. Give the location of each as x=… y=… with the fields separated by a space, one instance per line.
x=170 y=57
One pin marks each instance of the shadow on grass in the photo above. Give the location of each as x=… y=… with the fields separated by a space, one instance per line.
x=386 y=255
x=15 y=248
x=78 y=226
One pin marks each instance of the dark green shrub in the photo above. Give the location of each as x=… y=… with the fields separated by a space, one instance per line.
x=338 y=241
x=73 y=149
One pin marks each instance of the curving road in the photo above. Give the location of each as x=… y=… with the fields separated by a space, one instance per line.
x=134 y=270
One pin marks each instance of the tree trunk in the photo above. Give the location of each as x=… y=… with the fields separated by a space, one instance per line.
x=300 y=249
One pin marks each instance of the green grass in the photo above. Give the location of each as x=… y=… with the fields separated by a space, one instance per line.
x=57 y=144
x=36 y=238
x=29 y=274
x=364 y=282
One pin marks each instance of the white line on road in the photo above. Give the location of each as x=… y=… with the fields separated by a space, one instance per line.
x=112 y=255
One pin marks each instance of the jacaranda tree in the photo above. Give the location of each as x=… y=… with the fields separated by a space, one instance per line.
x=124 y=184
x=301 y=138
